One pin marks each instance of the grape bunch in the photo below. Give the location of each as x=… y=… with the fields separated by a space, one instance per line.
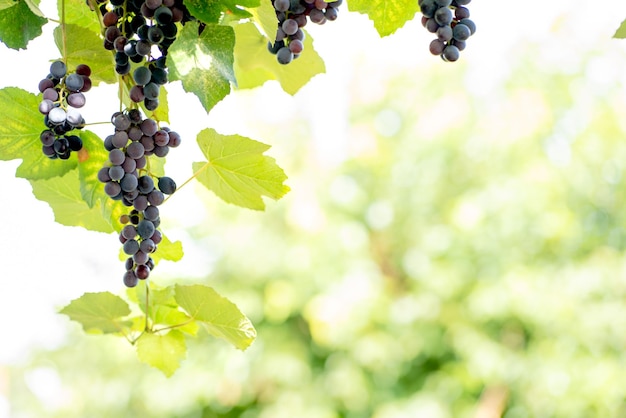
x=62 y=95
x=140 y=32
x=292 y=16
x=126 y=178
x=449 y=20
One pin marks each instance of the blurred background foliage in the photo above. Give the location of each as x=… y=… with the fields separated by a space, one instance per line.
x=463 y=259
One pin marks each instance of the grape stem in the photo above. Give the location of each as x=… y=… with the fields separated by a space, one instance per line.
x=196 y=174
x=64 y=32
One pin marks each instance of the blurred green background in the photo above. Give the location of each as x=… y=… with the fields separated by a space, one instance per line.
x=453 y=246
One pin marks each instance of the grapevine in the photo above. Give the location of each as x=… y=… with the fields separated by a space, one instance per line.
x=142 y=46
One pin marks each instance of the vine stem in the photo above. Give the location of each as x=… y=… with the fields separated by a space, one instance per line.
x=64 y=32
x=196 y=174
x=147 y=327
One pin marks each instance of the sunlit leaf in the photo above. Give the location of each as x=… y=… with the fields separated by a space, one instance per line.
x=219 y=315
x=19 y=136
x=387 y=15
x=237 y=171
x=19 y=25
x=162 y=351
x=98 y=312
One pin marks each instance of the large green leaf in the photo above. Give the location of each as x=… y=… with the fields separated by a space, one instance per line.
x=19 y=136
x=204 y=63
x=387 y=15
x=5 y=4
x=210 y=11
x=254 y=64
x=162 y=351
x=621 y=31
x=99 y=313
x=219 y=315
x=237 y=171
x=63 y=194
x=79 y=14
x=85 y=47
x=19 y=25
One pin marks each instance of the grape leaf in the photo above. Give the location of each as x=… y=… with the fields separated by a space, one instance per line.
x=92 y=158
x=620 y=33
x=64 y=197
x=237 y=171
x=168 y=250
x=19 y=25
x=5 y=4
x=33 y=5
x=19 y=136
x=164 y=352
x=80 y=15
x=98 y=313
x=204 y=63
x=387 y=15
x=265 y=17
x=210 y=11
x=254 y=65
x=219 y=315
x=85 y=47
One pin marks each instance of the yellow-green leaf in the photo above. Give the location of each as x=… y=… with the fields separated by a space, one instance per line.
x=220 y=316
x=237 y=171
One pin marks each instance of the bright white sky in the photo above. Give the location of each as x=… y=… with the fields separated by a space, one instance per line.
x=44 y=265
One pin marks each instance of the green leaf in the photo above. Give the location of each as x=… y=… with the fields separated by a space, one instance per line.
x=265 y=16
x=168 y=250
x=204 y=63
x=164 y=352
x=85 y=47
x=99 y=313
x=34 y=7
x=77 y=12
x=254 y=64
x=5 y=4
x=621 y=31
x=172 y=317
x=19 y=25
x=19 y=136
x=92 y=158
x=210 y=11
x=237 y=171
x=219 y=315
x=63 y=194
x=387 y=15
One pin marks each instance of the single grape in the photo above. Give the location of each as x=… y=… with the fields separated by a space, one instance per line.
x=145 y=229
x=167 y=185
x=128 y=183
x=131 y=247
x=284 y=55
x=76 y=100
x=117 y=156
x=135 y=150
x=58 y=69
x=142 y=76
x=129 y=232
x=116 y=172
x=142 y=271
x=130 y=279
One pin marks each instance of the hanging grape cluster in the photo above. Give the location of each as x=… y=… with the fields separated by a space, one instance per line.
x=140 y=32
x=127 y=179
x=62 y=95
x=292 y=17
x=449 y=20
